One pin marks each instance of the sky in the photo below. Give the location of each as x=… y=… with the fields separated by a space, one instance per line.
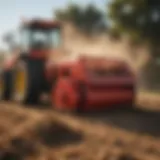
x=12 y=11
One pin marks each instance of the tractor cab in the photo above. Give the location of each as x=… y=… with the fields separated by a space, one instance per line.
x=39 y=37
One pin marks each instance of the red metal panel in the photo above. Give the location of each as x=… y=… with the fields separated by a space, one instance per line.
x=42 y=23
x=64 y=95
x=107 y=99
x=98 y=92
x=38 y=54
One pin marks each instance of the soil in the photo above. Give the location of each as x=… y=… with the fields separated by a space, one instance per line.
x=45 y=134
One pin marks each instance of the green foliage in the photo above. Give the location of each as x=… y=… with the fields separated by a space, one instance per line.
x=138 y=18
x=70 y=13
x=88 y=19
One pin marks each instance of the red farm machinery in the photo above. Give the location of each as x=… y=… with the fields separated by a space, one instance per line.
x=78 y=85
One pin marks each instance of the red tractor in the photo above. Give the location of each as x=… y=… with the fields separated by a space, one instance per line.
x=82 y=84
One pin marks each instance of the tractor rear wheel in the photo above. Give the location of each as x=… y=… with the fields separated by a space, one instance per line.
x=28 y=82
x=1 y=87
x=20 y=83
x=6 y=85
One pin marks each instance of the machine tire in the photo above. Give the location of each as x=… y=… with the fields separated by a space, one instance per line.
x=6 y=85
x=20 y=82
x=34 y=82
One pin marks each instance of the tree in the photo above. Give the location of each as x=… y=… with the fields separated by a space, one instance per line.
x=89 y=19
x=140 y=19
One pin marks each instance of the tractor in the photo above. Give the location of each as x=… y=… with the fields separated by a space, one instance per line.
x=86 y=83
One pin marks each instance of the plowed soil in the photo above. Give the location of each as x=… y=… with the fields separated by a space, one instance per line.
x=45 y=134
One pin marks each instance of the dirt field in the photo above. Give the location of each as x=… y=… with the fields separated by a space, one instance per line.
x=31 y=133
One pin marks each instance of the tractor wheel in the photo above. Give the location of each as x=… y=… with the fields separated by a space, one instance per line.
x=27 y=83
x=6 y=85
x=64 y=96
x=1 y=87
x=20 y=83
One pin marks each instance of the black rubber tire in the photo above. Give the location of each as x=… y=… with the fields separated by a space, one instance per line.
x=35 y=80
x=7 y=77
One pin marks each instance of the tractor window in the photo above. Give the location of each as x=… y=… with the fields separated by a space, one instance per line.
x=56 y=38
x=37 y=38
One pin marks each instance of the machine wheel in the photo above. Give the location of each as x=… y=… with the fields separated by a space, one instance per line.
x=1 y=86
x=20 y=86
x=28 y=83
x=6 y=85
x=64 y=95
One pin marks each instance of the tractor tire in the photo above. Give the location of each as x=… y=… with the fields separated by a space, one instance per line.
x=6 y=85
x=1 y=86
x=28 y=82
x=20 y=86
